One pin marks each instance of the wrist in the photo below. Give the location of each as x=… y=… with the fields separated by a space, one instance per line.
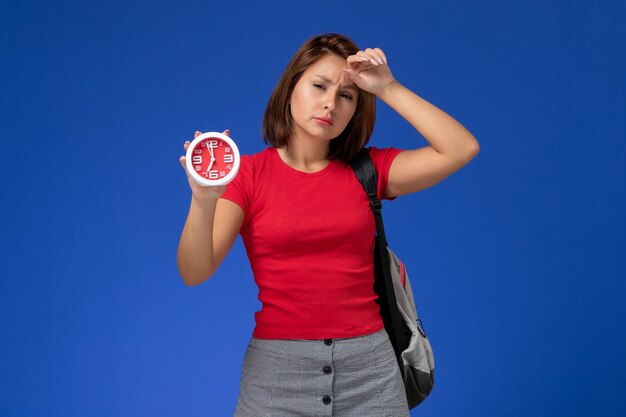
x=389 y=90
x=204 y=202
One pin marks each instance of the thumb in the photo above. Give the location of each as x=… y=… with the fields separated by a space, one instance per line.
x=350 y=73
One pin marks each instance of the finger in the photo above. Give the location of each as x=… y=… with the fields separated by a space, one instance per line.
x=359 y=63
x=198 y=133
x=186 y=145
x=227 y=132
x=375 y=55
x=367 y=55
x=381 y=53
x=357 y=60
x=183 y=162
x=349 y=72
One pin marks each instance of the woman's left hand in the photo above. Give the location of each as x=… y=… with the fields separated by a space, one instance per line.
x=369 y=70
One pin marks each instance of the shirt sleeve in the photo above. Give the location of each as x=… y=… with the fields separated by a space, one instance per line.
x=240 y=189
x=382 y=158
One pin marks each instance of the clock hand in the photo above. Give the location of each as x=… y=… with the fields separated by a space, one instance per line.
x=210 y=165
x=212 y=156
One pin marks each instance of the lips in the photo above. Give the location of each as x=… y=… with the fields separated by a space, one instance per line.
x=325 y=121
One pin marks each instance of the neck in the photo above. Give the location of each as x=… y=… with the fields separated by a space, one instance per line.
x=306 y=153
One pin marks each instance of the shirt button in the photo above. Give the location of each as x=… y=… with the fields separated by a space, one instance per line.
x=326 y=400
x=327 y=369
x=328 y=342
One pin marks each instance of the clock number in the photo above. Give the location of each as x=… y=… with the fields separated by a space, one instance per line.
x=213 y=174
x=196 y=159
x=211 y=144
x=228 y=158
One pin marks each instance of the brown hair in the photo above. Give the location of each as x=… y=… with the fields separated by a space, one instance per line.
x=277 y=122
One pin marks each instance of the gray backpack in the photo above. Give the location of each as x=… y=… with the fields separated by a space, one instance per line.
x=395 y=297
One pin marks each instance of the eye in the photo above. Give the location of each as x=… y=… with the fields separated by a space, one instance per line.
x=346 y=96
x=320 y=86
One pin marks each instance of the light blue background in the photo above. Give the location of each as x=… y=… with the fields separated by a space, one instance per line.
x=518 y=260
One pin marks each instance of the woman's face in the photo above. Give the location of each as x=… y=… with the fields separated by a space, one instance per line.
x=323 y=100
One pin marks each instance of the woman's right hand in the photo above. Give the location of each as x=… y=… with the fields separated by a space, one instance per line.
x=199 y=192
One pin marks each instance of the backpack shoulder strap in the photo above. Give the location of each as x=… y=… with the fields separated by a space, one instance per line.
x=365 y=171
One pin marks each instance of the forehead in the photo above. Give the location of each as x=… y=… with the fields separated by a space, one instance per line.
x=330 y=67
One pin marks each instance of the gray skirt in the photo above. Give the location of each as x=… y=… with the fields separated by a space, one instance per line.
x=329 y=377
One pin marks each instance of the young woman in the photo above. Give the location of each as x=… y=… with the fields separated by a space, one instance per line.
x=319 y=347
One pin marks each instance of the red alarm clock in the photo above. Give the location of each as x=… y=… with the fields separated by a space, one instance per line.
x=212 y=159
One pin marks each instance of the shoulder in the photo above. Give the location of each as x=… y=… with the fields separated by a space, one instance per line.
x=242 y=188
x=383 y=157
x=249 y=163
x=258 y=157
x=383 y=153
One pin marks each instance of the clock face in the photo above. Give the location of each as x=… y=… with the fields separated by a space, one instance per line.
x=212 y=159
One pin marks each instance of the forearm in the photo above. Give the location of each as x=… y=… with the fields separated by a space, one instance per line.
x=195 y=249
x=445 y=134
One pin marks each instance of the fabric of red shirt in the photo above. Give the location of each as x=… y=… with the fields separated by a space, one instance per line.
x=310 y=240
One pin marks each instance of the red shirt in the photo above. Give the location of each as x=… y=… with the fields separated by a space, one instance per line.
x=310 y=240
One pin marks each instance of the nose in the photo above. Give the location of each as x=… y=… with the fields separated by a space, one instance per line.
x=330 y=102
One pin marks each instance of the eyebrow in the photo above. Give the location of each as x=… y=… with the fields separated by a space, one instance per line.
x=328 y=80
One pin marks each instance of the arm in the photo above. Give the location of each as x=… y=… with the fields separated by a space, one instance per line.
x=208 y=235
x=451 y=145
x=209 y=232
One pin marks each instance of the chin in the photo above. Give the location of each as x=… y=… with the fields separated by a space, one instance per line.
x=325 y=136
x=331 y=135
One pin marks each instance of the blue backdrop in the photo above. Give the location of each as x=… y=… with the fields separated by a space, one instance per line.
x=518 y=260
